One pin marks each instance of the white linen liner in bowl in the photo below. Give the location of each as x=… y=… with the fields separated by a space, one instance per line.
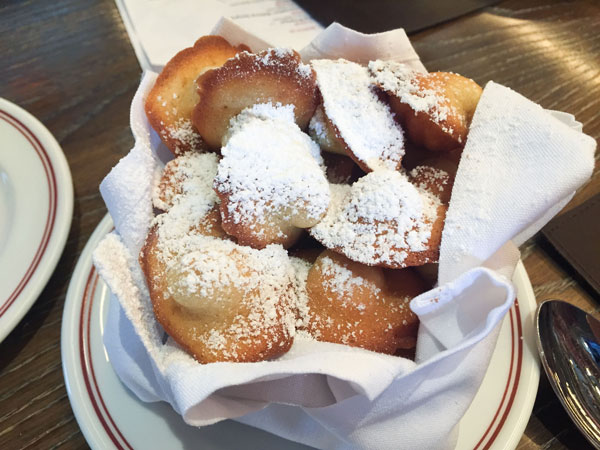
x=521 y=164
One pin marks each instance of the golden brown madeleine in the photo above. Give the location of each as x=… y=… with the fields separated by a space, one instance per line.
x=270 y=180
x=361 y=306
x=436 y=175
x=217 y=300
x=191 y=174
x=185 y=190
x=383 y=220
x=435 y=172
x=355 y=117
x=434 y=108
x=273 y=76
x=170 y=103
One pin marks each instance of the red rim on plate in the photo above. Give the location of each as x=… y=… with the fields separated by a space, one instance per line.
x=112 y=430
x=52 y=202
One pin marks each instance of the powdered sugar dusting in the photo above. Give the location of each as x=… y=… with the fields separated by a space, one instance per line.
x=189 y=175
x=379 y=219
x=341 y=280
x=264 y=111
x=303 y=313
x=185 y=134
x=318 y=129
x=188 y=194
x=407 y=84
x=431 y=173
x=209 y=275
x=431 y=179
x=277 y=58
x=365 y=123
x=270 y=168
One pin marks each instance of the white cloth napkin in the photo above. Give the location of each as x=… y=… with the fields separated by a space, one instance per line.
x=329 y=395
x=519 y=161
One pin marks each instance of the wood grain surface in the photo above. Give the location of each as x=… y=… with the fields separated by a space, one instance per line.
x=70 y=63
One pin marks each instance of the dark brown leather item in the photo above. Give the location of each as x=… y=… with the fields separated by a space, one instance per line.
x=575 y=235
x=381 y=15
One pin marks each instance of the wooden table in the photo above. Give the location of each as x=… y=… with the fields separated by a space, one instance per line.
x=70 y=63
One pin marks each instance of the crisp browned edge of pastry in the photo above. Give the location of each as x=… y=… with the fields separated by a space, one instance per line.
x=422 y=129
x=241 y=233
x=338 y=137
x=431 y=255
x=186 y=59
x=148 y=262
x=391 y=284
x=295 y=89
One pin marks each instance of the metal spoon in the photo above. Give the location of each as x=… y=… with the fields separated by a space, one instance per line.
x=568 y=341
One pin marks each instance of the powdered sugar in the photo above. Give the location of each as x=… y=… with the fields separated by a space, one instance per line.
x=218 y=278
x=185 y=134
x=341 y=281
x=379 y=219
x=189 y=193
x=207 y=267
x=432 y=173
x=319 y=130
x=264 y=111
x=364 y=122
x=277 y=58
x=407 y=84
x=431 y=179
x=189 y=176
x=303 y=312
x=270 y=168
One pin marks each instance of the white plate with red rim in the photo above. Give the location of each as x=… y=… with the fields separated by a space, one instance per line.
x=110 y=416
x=36 y=207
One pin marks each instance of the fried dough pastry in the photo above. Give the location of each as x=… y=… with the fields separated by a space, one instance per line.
x=273 y=76
x=355 y=118
x=218 y=300
x=434 y=108
x=361 y=306
x=383 y=220
x=170 y=103
x=270 y=180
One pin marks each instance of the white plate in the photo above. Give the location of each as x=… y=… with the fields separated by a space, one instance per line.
x=111 y=417
x=36 y=207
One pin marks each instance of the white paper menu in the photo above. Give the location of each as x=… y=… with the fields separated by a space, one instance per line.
x=160 y=28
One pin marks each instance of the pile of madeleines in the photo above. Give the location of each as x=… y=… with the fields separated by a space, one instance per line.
x=303 y=200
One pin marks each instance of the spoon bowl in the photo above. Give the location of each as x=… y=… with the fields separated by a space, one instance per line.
x=568 y=341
